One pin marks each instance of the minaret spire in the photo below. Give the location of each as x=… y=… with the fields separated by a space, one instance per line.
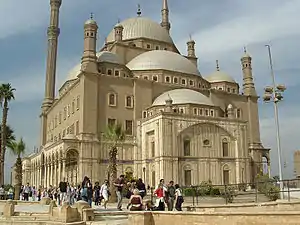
x=165 y=23
x=217 y=65
x=139 y=12
x=248 y=83
x=53 y=33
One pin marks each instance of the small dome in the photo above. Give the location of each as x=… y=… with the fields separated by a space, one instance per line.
x=118 y=25
x=183 y=96
x=219 y=76
x=104 y=56
x=165 y=60
x=141 y=27
x=90 y=21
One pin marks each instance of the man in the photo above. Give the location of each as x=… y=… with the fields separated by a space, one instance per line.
x=170 y=195
x=119 y=184
x=26 y=191
x=63 y=191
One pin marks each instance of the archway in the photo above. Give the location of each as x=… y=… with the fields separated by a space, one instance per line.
x=72 y=166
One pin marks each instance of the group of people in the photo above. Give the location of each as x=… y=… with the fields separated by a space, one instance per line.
x=169 y=195
x=166 y=195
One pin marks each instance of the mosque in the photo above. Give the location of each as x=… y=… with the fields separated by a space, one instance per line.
x=179 y=125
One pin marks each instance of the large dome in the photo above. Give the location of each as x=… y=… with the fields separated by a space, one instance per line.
x=183 y=96
x=219 y=76
x=141 y=27
x=162 y=59
x=103 y=56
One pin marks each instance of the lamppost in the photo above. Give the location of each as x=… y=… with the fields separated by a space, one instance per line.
x=274 y=94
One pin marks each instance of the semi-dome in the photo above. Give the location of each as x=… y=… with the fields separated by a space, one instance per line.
x=141 y=27
x=162 y=59
x=183 y=96
x=219 y=76
x=104 y=56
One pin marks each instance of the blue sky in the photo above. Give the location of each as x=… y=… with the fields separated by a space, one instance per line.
x=220 y=29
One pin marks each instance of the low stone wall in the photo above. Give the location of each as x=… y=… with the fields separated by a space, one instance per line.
x=216 y=218
x=278 y=205
x=81 y=212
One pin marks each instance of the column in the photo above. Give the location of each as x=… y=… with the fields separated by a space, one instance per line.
x=51 y=173
x=40 y=176
x=45 y=173
x=59 y=171
x=55 y=174
x=48 y=175
x=64 y=168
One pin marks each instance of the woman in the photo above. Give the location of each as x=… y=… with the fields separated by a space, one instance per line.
x=97 y=193
x=178 y=198
x=135 y=201
x=104 y=193
x=160 y=201
x=84 y=189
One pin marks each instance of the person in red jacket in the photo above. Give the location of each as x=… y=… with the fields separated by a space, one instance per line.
x=160 y=201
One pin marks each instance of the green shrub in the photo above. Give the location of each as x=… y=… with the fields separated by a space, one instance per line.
x=267 y=186
x=228 y=193
x=189 y=192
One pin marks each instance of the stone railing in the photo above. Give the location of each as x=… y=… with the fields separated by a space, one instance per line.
x=81 y=211
x=278 y=205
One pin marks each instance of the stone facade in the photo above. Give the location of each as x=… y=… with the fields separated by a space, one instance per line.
x=179 y=125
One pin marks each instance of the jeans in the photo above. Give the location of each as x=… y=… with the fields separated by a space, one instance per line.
x=170 y=204
x=63 y=197
x=120 y=197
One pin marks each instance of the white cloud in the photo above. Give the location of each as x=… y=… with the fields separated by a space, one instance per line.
x=254 y=27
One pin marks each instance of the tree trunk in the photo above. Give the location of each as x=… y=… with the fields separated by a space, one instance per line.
x=3 y=140
x=18 y=178
x=112 y=169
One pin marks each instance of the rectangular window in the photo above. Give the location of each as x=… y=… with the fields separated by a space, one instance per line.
x=186 y=148
x=195 y=111
x=211 y=112
x=183 y=82
x=117 y=73
x=187 y=177
x=73 y=107
x=225 y=149
x=129 y=101
x=168 y=80
x=152 y=149
x=128 y=127
x=111 y=122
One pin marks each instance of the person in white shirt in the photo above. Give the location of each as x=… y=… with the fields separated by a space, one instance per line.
x=104 y=193
x=178 y=198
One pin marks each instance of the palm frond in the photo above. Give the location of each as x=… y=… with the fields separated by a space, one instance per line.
x=18 y=147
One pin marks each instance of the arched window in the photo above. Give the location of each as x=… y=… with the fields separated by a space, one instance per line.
x=112 y=99
x=238 y=113
x=186 y=147
x=129 y=101
x=225 y=149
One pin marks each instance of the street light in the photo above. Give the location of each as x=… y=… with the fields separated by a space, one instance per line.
x=274 y=94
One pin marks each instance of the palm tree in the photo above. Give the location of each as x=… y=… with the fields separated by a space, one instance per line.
x=115 y=136
x=10 y=137
x=6 y=95
x=18 y=148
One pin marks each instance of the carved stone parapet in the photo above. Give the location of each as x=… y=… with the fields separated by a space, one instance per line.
x=55 y=3
x=53 y=32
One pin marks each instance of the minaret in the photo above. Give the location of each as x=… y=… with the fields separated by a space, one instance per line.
x=89 y=58
x=118 y=32
x=191 y=51
x=165 y=23
x=191 y=48
x=53 y=33
x=248 y=84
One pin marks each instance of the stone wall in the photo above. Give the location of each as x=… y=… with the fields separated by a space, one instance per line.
x=215 y=218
